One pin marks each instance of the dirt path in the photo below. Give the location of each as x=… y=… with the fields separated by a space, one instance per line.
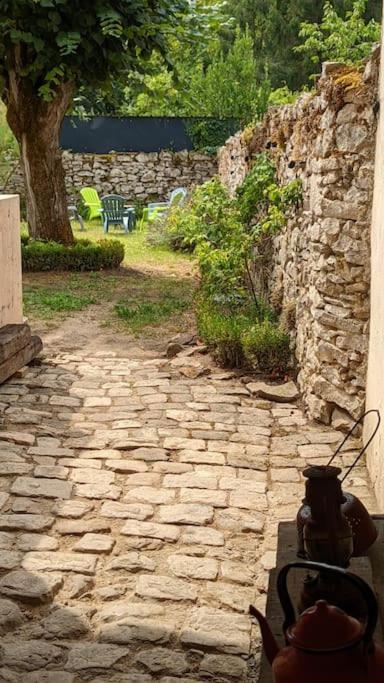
x=84 y=331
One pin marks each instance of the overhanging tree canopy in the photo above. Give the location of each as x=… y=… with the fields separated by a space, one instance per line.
x=48 y=48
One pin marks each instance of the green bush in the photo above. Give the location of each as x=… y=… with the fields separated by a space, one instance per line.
x=262 y=202
x=242 y=339
x=207 y=217
x=266 y=347
x=82 y=256
x=222 y=333
x=226 y=235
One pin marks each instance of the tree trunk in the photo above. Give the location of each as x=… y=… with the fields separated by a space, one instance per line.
x=36 y=125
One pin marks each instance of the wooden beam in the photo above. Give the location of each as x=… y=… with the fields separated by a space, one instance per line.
x=13 y=338
x=20 y=358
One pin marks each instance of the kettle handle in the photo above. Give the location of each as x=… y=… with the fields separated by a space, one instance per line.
x=344 y=441
x=362 y=586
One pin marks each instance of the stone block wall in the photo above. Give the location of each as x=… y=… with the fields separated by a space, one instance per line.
x=320 y=264
x=136 y=176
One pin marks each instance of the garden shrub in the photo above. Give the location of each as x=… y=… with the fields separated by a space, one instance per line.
x=84 y=255
x=222 y=333
x=244 y=339
x=208 y=216
x=227 y=236
x=266 y=347
x=262 y=202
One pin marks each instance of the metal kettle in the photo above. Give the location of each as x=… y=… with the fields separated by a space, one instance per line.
x=324 y=644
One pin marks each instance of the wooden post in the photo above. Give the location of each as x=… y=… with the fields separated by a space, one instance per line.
x=11 y=306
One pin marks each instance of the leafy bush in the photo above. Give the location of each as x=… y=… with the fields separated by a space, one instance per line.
x=222 y=334
x=252 y=193
x=244 y=339
x=262 y=201
x=225 y=234
x=267 y=347
x=84 y=255
x=207 y=217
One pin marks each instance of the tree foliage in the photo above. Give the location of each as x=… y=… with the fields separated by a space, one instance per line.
x=67 y=41
x=275 y=27
x=249 y=54
x=158 y=86
x=48 y=49
x=225 y=87
x=346 y=40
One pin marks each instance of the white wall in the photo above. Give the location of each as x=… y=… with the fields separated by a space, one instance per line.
x=375 y=379
x=10 y=261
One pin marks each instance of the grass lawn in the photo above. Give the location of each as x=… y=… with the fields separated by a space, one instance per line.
x=137 y=252
x=151 y=294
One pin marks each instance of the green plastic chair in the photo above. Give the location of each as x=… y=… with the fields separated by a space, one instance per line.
x=159 y=210
x=92 y=202
x=114 y=212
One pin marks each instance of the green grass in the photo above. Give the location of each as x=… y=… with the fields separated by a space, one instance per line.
x=137 y=250
x=46 y=303
x=149 y=296
x=140 y=315
x=55 y=295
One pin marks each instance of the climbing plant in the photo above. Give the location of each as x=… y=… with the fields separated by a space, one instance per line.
x=209 y=134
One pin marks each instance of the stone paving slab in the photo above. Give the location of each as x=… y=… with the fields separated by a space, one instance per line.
x=138 y=519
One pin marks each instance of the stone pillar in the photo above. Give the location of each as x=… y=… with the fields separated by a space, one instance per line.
x=11 y=306
x=375 y=378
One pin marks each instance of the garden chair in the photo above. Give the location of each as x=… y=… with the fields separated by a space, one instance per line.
x=75 y=216
x=115 y=212
x=159 y=210
x=92 y=202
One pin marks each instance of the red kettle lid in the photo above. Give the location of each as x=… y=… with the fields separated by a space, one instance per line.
x=324 y=627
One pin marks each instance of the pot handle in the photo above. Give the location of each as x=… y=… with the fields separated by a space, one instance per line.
x=365 y=590
x=344 y=441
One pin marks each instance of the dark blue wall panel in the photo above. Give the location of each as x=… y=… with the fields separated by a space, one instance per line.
x=104 y=134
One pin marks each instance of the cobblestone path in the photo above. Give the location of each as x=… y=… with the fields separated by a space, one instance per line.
x=138 y=519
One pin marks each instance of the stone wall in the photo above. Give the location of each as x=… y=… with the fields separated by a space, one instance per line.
x=320 y=264
x=143 y=176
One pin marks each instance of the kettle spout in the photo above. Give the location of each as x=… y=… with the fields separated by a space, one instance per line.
x=270 y=645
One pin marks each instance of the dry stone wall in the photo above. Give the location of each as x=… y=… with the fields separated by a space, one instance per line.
x=320 y=264
x=136 y=176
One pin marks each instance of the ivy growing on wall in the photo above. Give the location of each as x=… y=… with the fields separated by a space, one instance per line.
x=207 y=135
